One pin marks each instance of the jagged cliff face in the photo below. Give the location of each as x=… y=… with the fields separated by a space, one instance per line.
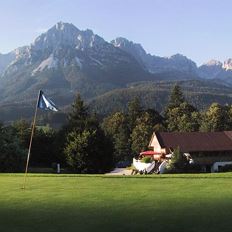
x=217 y=70
x=66 y=60
x=63 y=45
x=227 y=65
x=156 y=64
x=211 y=70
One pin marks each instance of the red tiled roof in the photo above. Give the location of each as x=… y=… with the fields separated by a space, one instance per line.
x=196 y=141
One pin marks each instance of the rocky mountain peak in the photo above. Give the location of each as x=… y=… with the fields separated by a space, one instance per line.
x=59 y=34
x=64 y=46
x=213 y=63
x=152 y=63
x=180 y=58
x=227 y=65
x=183 y=63
x=120 y=42
x=128 y=46
x=210 y=69
x=66 y=34
x=134 y=49
x=61 y=26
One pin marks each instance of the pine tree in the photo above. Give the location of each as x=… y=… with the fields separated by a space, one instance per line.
x=176 y=97
x=134 y=112
x=87 y=149
x=179 y=114
x=178 y=163
x=78 y=116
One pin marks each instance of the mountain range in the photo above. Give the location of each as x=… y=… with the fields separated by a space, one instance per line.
x=213 y=69
x=66 y=60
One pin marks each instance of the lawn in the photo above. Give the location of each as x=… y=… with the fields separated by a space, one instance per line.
x=79 y=203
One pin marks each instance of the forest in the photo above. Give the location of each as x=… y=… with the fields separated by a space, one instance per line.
x=90 y=143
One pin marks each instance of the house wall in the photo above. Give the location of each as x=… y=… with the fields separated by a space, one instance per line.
x=154 y=144
x=209 y=158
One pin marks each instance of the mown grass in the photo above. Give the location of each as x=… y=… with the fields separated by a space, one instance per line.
x=199 y=202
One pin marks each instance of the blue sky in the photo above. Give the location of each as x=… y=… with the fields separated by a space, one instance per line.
x=199 y=29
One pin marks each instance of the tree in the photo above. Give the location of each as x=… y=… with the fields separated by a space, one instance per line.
x=79 y=114
x=228 y=109
x=87 y=150
x=146 y=124
x=178 y=163
x=43 y=147
x=60 y=141
x=12 y=155
x=131 y=132
x=22 y=130
x=134 y=111
x=116 y=127
x=179 y=114
x=216 y=118
x=44 y=150
x=182 y=118
x=190 y=122
x=176 y=98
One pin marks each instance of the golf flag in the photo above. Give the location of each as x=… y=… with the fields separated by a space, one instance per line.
x=45 y=103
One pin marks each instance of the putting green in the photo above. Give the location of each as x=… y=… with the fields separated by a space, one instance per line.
x=162 y=203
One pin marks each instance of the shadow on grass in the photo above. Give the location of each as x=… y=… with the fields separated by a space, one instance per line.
x=164 y=217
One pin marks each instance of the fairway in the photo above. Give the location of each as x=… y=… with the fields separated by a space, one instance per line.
x=103 y=203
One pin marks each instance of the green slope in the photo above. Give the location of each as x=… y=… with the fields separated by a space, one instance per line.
x=103 y=100
x=156 y=94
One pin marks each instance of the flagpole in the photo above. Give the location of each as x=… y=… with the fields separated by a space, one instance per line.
x=29 y=149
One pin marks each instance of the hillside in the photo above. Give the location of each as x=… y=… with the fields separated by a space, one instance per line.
x=153 y=94
x=156 y=94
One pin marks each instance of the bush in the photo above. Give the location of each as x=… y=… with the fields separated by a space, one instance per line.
x=146 y=159
x=178 y=163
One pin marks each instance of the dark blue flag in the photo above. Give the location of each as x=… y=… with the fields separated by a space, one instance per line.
x=45 y=103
